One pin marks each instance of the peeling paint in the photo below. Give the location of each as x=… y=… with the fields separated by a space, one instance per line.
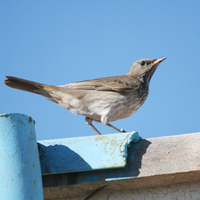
x=20 y=166
x=85 y=153
x=131 y=137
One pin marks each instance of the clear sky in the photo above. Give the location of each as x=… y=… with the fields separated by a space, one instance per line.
x=60 y=42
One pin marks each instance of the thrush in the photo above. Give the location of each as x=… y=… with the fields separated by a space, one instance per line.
x=103 y=100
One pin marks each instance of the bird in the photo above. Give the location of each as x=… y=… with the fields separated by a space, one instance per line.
x=104 y=99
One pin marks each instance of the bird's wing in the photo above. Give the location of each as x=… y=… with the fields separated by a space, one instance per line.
x=115 y=83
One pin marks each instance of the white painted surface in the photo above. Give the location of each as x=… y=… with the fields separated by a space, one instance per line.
x=184 y=191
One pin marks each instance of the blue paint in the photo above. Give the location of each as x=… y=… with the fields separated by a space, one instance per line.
x=120 y=178
x=131 y=170
x=85 y=153
x=131 y=137
x=20 y=176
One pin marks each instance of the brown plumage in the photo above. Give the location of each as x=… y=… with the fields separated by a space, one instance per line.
x=104 y=99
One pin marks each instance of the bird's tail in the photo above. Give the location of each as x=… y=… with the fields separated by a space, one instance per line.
x=29 y=86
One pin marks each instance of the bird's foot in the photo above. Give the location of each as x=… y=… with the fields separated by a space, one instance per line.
x=121 y=131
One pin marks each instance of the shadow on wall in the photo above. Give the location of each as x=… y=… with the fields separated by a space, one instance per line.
x=134 y=162
x=60 y=158
x=132 y=169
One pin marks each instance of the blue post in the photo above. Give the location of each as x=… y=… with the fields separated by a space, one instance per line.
x=20 y=173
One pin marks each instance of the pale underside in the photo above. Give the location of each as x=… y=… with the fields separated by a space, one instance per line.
x=109 y=100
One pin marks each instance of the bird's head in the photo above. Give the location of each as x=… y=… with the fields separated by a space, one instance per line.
x=144 y=68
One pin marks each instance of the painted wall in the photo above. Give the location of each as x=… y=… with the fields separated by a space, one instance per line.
x=184 y=191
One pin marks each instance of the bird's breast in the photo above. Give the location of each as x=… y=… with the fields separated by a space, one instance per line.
x=128 y=105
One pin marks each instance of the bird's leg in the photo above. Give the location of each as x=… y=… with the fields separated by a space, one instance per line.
x=89 y=122
x=93 y=127
x=115 y=128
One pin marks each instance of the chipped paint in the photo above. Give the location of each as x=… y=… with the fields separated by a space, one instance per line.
x=131 y=137
x=85 y=153
x=20 y=167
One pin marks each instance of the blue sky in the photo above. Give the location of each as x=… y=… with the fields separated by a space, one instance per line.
x=60 y=42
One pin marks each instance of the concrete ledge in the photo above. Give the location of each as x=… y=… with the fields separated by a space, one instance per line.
x=151 y=162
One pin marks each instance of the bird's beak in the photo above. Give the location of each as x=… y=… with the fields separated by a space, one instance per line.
x=159 y=60
x=153 y=66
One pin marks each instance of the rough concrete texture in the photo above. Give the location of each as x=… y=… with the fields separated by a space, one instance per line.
x=184 y=191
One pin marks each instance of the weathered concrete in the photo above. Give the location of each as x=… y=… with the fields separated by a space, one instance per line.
x=152 y=162
x=183 y=191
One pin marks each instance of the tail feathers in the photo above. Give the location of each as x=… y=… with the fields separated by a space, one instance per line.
x=29 y=86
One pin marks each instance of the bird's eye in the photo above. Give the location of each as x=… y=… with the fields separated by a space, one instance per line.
x=142 y=63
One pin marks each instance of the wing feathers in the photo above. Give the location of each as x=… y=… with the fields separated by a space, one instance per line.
x=115 y=83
